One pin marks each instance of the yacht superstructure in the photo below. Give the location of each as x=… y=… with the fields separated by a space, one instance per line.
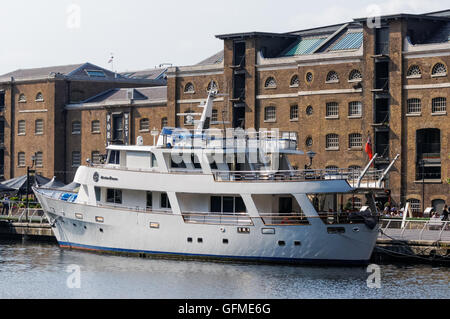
x=206 y=193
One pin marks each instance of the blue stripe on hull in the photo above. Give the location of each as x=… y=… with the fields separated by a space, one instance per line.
x=248 y=258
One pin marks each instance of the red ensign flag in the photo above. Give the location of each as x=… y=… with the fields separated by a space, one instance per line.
x=369 y=150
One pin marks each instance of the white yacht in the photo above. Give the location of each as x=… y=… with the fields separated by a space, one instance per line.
x=217 y=194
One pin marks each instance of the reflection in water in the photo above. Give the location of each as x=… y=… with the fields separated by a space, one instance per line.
x=39 y=271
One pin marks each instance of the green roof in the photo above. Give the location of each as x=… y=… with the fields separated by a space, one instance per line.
x=304 y=46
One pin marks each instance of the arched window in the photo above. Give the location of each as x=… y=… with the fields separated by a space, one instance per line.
x=355 y=140
x=414 y=72
x=332 y=142
x=355 y=75
x=270 y=114
x=439 y=105
x=332 y=77
x=22 y=98
x=144 y=125
x=439 y=69
x=95 y=126
x=294 y=81
x=270 y=83
x=164 y=122
x=39 y=127
x=39 y=97
x=212 y=86
x=189 y=88
x=76 y=128
x=413 y=106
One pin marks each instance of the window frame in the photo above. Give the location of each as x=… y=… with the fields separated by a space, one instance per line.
x=21 y=156
x=93 y=131
x=351 y=107
x=329 y=112
x=444 y=105
x=145 y=121
x=292 y=111
x=74 y=132
x=332 y=142
x=36 y=127
x=331 y=74
x=355 y=141
x=410 y=106
x=19 y=133
x=268 y=112
x=74 y=165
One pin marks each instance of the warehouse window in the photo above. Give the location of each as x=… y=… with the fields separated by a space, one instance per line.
x=39 y=159
x=214 y=116
x=76 y=159
x=39 y=127
x=355 y=75
x=355 y=140
x=96 y=157
x=212 y=86
x=189 y=88
x=144 y=125
x=332 y=142
x=439 y=105
x=414 y=106
x=414 y=72
x=270 y=114
x=95 y=127
x=332 y=77
x=22 y=98
x=21 y=159
x=270 y=83
x=355 y=109
x=21 y=127
x=439 y=69
x=76 y=128
x=415 y=205
x=164 y=122
x=294 y=81
x=39 y=97
x=294 y=113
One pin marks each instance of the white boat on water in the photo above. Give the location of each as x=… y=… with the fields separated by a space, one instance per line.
x=216 y=194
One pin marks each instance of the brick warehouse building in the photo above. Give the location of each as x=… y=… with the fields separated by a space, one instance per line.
x=33 y=116
x=334 y=85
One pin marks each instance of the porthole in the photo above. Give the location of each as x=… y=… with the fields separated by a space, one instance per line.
x=281 y=243
x=200 y=240
x=101 y=230
x=309 y=77
x=309 y=141
x=297 y=243
x=225 y=241
x=309 y=110
x=189 y=240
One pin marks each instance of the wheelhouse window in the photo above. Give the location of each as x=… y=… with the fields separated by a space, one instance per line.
x=165 y=202
x=114 y=157
x=114 y=196
x=149 y=199
x=96 y=73
x=227 y=205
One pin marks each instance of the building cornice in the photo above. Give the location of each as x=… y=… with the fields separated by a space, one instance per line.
x=91 y=106
x=195 y=70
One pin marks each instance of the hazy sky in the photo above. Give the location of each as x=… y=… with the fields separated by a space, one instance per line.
x=143 y=34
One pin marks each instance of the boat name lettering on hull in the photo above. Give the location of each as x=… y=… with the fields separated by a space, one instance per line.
x=109 y=178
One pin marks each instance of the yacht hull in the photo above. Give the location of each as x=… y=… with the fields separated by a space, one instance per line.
x=127 y=232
